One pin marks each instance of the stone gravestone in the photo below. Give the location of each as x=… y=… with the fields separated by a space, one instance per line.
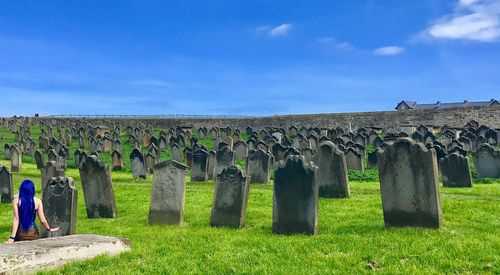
x=39 y=159
x=16 y=159
x=240 y=150
x=211 y=165
x=230 y=198
x=138 y=165
x=60 y=200
x=50 y=170
x=117 y=161
x=295 y=197
x=199 y=165
x=223 y=158
x=5 y=185
x=487 y=161
x=409 y=184
x=97 y=189
x=354 y=159
x=6 y=151
x=455 y=171
x=258 y=165
x=176 y=153
x=332 y=174
x=168 y=193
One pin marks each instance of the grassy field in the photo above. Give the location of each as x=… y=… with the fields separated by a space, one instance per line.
x=351 y=239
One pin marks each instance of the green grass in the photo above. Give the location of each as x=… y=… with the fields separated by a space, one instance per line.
x=351 y=238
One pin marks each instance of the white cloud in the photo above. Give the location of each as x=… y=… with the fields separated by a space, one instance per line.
x=389 y=50
x=477 y=20
x=275 y=31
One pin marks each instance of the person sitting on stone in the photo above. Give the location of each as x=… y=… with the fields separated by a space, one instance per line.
x=26 y=207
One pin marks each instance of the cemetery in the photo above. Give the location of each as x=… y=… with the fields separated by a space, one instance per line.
x=264 y=195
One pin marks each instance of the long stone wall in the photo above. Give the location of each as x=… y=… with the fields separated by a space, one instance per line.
x=388 y=120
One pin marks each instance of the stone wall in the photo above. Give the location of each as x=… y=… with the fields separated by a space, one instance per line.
x=388 y=120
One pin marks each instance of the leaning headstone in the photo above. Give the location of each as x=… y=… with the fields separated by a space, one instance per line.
x=138 y=164
x=97 y=189
x=487 y=161
x=409 y=184
x=455 y=171
x=332 y=171
x=16 y=159
x=167 y=193
x=199 y=165
x=230 y=198
x=258 y=165
x=59 y=201
x=6 y=188
x=295 y=197
x=39 y=159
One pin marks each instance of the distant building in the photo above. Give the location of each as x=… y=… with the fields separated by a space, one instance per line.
x=412 y=105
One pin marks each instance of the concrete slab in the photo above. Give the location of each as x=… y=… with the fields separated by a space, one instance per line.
x=31 y=256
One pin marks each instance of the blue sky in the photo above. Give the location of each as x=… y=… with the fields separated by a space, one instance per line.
x=244 y=57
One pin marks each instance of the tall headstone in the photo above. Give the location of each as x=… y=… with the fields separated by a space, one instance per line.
x=455 y=170
x=6 y=151
x=60 y=200
x=6 y=189
x=138 y=164
x=39 y=159
x=16 y=158
x=117 y=161
x=97 y=189
x=230 y=198
x=295 y=197
x=354 y=159
x=258 y=165
x=199 y=165
x=409 y=184
x=211 y=165
x=332 y=171
x=167 y=193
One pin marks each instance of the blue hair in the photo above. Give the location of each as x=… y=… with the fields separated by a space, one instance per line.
x=27 y=204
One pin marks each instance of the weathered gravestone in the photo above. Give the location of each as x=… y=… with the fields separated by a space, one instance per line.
x=60 y=200
x=354 y=159
x=487 y=161
x=176 y=153
x=223 y=158
x=51 y=169
x=409 y=184
x=6 y=151
x=258 y=165
x=97 y=189
x=230 y=198
x=295 y=197
x=211 y=165
x=167 y=193
x=332 y=174
x=16 y=159
x=137 y=164
x=39 y=159
x=199 y=165
x=240 y=150
x=455 y=171
x=5 y=185
x=117 y=161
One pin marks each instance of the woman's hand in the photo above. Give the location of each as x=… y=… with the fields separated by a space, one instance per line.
x=54 y=229
x=9 y=241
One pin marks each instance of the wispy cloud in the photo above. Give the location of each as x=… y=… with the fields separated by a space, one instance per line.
x=476 y=20
x=332 y=45
x=275 y=31
x=389 y=50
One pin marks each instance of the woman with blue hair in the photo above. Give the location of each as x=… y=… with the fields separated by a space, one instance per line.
x=26 y=207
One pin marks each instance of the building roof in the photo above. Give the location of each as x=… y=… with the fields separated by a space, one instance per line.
x=412 y=105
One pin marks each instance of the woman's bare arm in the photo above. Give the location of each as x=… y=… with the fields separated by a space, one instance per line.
x=15 y=219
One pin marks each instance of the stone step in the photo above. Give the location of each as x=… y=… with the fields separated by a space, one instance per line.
x=31 y=256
